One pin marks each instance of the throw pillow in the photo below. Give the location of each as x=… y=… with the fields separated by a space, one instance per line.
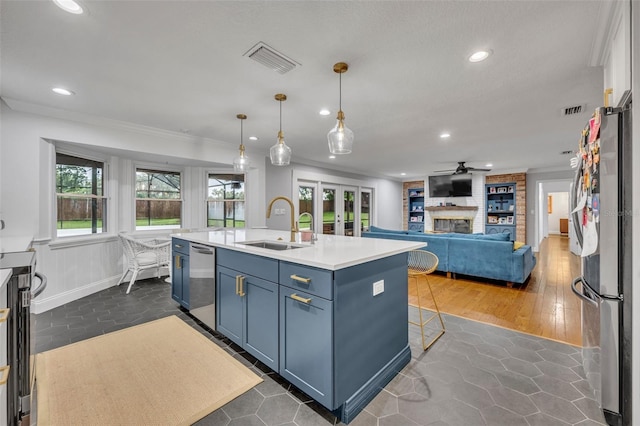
x=517 y=245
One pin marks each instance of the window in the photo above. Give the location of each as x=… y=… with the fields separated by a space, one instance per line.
x=81 y=205
x=225 y=201
x=158 y=199
x=365 y=209
x=306 y=203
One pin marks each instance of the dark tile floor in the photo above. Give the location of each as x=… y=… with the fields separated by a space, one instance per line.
x=475 y=374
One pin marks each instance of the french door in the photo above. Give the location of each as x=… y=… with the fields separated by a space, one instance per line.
x=334 y=209
x=340 y=207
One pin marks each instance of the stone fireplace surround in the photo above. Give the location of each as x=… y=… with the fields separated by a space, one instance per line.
x=452 y=218
x=461 y=225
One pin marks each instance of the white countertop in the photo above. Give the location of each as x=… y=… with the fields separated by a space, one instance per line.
x=329 y=252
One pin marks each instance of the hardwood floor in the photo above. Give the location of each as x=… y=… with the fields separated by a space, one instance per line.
x=543 y=306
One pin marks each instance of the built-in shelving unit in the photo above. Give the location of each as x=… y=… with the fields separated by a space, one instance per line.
x=500 y=202
x=416 y=209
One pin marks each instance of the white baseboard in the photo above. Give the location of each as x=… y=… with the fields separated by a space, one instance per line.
x=41 y=305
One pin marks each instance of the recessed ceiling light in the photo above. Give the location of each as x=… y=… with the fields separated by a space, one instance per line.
x=325 y=112
x=69 y=6
x=253 y=138
x=488 y=165
x=480 y=55
x=63 y=91
x=445 y=135
x=403 y=174
x=332 y=157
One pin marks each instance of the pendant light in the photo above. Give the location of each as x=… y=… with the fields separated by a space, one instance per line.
x=241 y=163
x=340 y=137
x=280 y=153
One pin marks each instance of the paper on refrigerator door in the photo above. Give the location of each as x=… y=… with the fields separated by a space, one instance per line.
x=589 y=238
x=582 y=201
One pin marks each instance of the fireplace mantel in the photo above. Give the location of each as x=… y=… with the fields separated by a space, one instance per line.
x=441 y=208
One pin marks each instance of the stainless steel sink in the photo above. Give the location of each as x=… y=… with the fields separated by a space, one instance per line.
x=272 y=245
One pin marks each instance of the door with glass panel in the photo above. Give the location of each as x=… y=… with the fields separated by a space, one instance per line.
x=306 y=207
x=340 y=210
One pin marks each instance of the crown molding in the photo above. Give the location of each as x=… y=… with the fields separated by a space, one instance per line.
x=30 y=108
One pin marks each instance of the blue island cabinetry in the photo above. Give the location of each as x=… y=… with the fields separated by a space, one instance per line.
x=180 y=272
x=335 y=338
x=247 y=305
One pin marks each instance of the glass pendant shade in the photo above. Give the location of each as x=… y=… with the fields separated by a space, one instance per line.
x=340 y=137
x=241 y=162
x=280 y=153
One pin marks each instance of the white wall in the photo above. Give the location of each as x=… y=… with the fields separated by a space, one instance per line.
x=76 y=267
x=476 y=199
x=283 y=181
x=559 y=210
x=537 y=190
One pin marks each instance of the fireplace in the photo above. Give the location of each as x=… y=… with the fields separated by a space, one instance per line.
x=461 y=225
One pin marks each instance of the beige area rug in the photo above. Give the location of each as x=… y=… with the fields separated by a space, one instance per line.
x=159 y=373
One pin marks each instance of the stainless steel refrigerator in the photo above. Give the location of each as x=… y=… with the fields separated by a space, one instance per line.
x=601 y=215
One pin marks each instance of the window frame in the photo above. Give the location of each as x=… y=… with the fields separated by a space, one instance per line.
x=152 y=167
x=107 y=221
x=235 y=201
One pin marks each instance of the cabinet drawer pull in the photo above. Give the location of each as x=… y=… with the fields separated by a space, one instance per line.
x=4 y=314
x=300 y=299
x=239 y=285
x=177 y=261
x=300 y=279
x=178 y=245
x=5 y=374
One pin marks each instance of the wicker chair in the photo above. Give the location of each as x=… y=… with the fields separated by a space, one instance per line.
x=144 y=254
x=423 y=263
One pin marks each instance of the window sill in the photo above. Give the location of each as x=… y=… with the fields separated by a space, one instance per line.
x=85 y=240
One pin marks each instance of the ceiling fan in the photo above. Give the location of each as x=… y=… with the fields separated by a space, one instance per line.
x=462 y=169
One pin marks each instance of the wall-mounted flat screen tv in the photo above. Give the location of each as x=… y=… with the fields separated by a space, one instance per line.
x=450 y=186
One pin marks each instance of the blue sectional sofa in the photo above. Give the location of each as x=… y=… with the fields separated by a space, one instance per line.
x=488 y=256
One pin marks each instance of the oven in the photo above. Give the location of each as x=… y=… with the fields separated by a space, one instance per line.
x=24 y=285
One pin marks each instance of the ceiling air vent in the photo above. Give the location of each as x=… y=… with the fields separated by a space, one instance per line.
x=271 y=58
x=573 y=110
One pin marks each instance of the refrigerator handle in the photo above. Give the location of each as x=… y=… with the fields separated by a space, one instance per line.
x=588 y=295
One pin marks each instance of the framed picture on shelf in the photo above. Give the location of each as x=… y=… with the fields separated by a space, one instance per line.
x=414 y=219
x=492 y=219
x=510 y=189
x=492 y=190
x=502 y=220
x=511 y=207
x=510 y=220
x=502 y=189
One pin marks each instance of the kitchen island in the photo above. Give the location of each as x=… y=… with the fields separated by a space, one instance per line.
x=330 y=317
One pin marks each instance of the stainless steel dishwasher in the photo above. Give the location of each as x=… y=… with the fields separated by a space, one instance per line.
x=202 y=284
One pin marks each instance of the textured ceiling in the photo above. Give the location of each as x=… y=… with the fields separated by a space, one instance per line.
x=178 y=65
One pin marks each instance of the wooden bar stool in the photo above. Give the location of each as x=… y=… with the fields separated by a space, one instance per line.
x=422 y=262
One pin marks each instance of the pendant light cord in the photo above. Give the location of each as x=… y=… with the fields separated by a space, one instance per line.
x=280 y=101
x=340 y=101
